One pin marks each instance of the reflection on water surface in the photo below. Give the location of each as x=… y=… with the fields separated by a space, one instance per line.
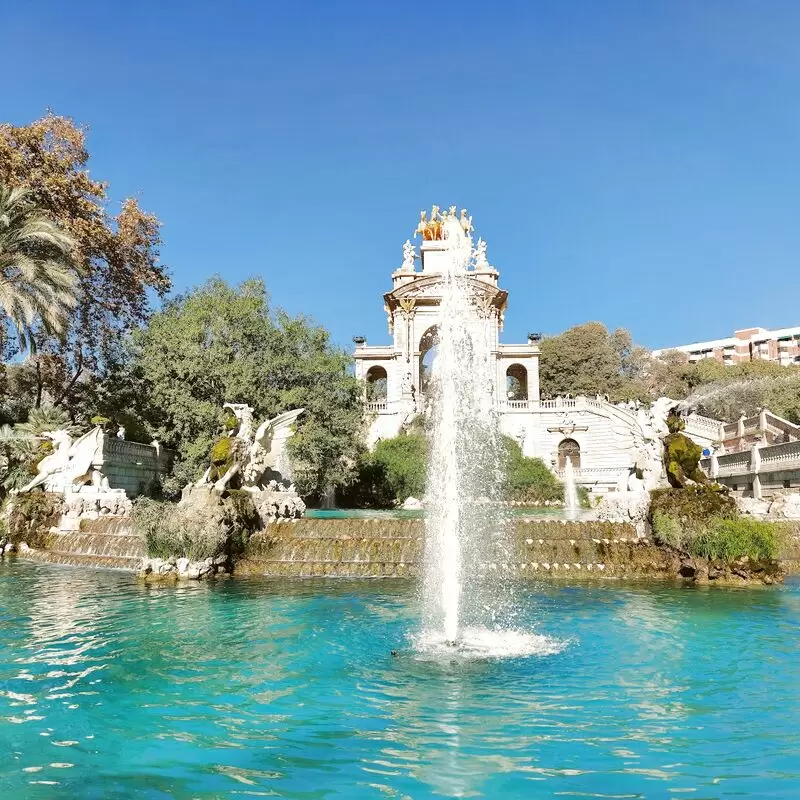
x=109 y=688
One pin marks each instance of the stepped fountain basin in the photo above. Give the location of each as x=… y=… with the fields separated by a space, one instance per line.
x=392 y=548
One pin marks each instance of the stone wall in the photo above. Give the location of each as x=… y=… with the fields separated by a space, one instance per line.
x=359 y=548
x=393 y=548
x=133 y=466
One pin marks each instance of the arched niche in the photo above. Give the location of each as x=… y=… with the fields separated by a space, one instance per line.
x=569 y=449
x=377 y=384
x=516 y=382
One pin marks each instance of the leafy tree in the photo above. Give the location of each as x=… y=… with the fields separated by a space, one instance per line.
x=37 y=281
x=115 y=255
x=218 y=344
x=586 y=360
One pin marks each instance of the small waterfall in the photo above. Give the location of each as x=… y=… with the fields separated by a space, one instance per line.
x=571 y=504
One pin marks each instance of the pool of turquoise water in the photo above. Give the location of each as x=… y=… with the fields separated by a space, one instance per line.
x=251 y=688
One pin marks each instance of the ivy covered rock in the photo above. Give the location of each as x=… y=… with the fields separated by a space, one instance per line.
x=681 y=456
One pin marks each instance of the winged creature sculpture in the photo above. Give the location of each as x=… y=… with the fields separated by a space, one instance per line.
x=71 y=463
x=255 y=459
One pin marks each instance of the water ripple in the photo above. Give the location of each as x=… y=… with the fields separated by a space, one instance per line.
x=255 y=688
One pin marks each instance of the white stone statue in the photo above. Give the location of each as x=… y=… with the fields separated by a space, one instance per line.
x=409 y=256
x=479 y=254
x=71 y=464
x=259 y=458
x=120 y=432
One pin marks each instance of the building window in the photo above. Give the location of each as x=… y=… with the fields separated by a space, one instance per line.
x=377 y=384
x=517 y=382
x=569 y=449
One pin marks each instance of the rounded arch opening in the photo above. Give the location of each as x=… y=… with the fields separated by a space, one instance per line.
x=428 y=347
x=569 y=450
x=516 y=382
x=377 y=384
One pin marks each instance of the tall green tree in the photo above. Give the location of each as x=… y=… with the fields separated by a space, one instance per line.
x=115 y=254
x=587 y=360
x=38 y=283
x=219 y=343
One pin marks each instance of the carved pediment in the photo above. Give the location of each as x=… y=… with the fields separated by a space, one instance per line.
x=427 y=290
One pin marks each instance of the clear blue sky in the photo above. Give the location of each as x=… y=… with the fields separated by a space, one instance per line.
x=630 y=162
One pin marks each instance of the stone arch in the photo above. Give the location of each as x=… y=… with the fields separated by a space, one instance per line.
x=427 y=352
x=517 y=382
x=377 y=384
x=569 y=449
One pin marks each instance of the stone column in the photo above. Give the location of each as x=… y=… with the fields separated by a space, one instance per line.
x=755 y=468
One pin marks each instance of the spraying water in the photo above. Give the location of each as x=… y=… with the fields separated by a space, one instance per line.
x=463 y=473
x=571 y=504
x=466 y=603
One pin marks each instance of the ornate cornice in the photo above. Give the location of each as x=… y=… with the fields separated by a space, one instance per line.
x=425 y=291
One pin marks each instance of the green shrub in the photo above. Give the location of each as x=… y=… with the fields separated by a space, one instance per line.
x=667 y=530
x=394 y=471
x=731 y=539
x=100 y=420
x=529 y=479
x=397 y=469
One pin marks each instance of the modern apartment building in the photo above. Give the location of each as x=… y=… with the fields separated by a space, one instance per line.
x=749 y=344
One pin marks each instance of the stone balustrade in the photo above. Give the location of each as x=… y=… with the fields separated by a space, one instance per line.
x=761 y=468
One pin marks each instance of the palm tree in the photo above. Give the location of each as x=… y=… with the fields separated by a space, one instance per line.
x=37 y=279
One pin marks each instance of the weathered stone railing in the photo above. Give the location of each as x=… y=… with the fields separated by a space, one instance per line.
x=375 y=406
x=515 y=405
x=587 y=474
x=559 y=402
x=704 y=427
x=767 y=425
x=774 y=466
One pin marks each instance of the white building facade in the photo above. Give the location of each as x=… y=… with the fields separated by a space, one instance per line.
x=604 y=442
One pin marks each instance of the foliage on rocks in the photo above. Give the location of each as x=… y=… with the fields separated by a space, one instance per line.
x=220 y=526
x=732 y=539
x=681 y=456
x=704 y=521
x=29 y=517
x=221 y=457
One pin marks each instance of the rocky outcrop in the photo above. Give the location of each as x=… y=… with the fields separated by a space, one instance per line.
x=740 y=571
x=626 y=507
x=175 y=569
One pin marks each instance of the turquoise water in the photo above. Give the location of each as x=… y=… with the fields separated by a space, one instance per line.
x=110 y=689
